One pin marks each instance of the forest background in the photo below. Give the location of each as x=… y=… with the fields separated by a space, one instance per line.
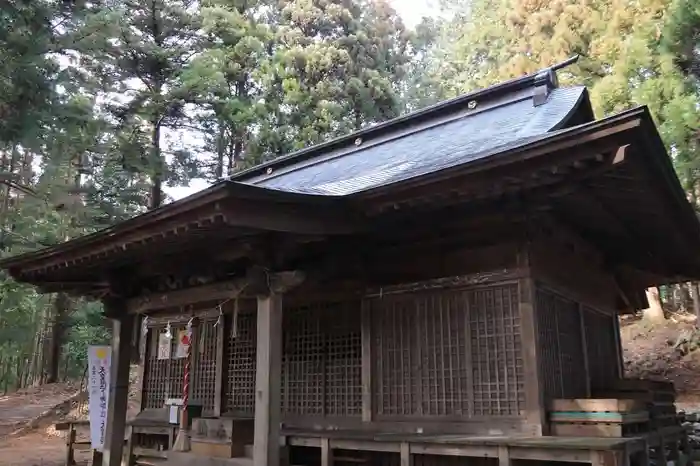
x=106 y=106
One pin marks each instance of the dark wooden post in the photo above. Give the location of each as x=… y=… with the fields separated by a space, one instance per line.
x=534 y=395
x=268 y=375
x=535 y=410
x=366 y=362
x=619 y=360
x=122 y=329
x=268 y=403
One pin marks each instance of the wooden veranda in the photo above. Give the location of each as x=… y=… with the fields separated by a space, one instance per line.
x=427 y=291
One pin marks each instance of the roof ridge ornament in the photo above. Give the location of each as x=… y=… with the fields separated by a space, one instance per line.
x=546 y=80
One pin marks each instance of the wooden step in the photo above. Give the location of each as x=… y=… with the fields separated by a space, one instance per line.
x=217 y=448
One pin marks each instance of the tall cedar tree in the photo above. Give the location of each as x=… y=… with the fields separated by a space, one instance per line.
x=225 y=79
x=336 y=67
x=149 y=44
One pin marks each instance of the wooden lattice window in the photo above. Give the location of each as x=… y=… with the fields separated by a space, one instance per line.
x=241 y=349
x=154 y=373
x=163 y=378
x=322 y=363
x=496 y=347
x=204 y=365
x=448 y=353
x=602 y=348
x=560 y=346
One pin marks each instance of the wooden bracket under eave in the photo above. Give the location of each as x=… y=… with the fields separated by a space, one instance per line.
x=250 y=286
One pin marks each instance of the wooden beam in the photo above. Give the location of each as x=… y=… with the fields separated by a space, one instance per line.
x=295 y=217
x=177 y=298
x=122 y=329
x=268 y=409
x=251 y=285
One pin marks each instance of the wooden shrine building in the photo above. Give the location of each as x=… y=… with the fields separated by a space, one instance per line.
x=418 y=292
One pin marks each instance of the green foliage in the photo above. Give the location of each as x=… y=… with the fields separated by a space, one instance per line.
x=623 y=60
x=103 y=101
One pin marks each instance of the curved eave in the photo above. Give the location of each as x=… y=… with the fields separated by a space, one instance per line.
x=224 y=211
x=634 y=209
x=574 y=171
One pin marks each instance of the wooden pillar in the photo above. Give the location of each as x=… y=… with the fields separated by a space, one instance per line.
x=326 y=454
x=268 y=403
x=219 y=376
x=122 y=329
x=70 y=441
x=504 y=456
x=366 y=362
x=584 y=348
x=618 y=346
x=535 y=409
x=406 y=457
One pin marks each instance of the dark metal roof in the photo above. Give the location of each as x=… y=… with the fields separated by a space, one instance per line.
x=536 y=85
x=463 y=135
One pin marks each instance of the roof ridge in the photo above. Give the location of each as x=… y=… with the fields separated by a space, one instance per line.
x=542 y=82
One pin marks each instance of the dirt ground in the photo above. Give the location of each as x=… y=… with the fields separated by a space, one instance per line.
x=37 y=448
x=649 y=351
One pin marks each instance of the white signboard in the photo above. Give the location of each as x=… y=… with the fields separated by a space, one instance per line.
x=99 y=362
x=183 y=344
x=164 y=346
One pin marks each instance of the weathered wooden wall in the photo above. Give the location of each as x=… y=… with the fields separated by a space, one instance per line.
x=577 y=330
x=474 y=340
x=444 y=357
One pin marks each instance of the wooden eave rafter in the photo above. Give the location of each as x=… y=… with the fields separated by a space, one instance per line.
x=227 y=210
x=248 y=286
x=533 y=174
x=541 y=162
x=561 y=166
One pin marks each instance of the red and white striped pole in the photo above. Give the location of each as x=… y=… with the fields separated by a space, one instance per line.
x=182 y=442
x=186 y=384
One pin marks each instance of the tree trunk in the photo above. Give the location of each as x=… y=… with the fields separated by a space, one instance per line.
x=220 y=152
x=655 y=311
x=18 y=374
x=25 y=373
x=6 y=198
x=66 y=361
x=42 y=346
x=8 y=367
x=671 y=297
x=695 y=291
x=157 y=177
x=58 y=330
